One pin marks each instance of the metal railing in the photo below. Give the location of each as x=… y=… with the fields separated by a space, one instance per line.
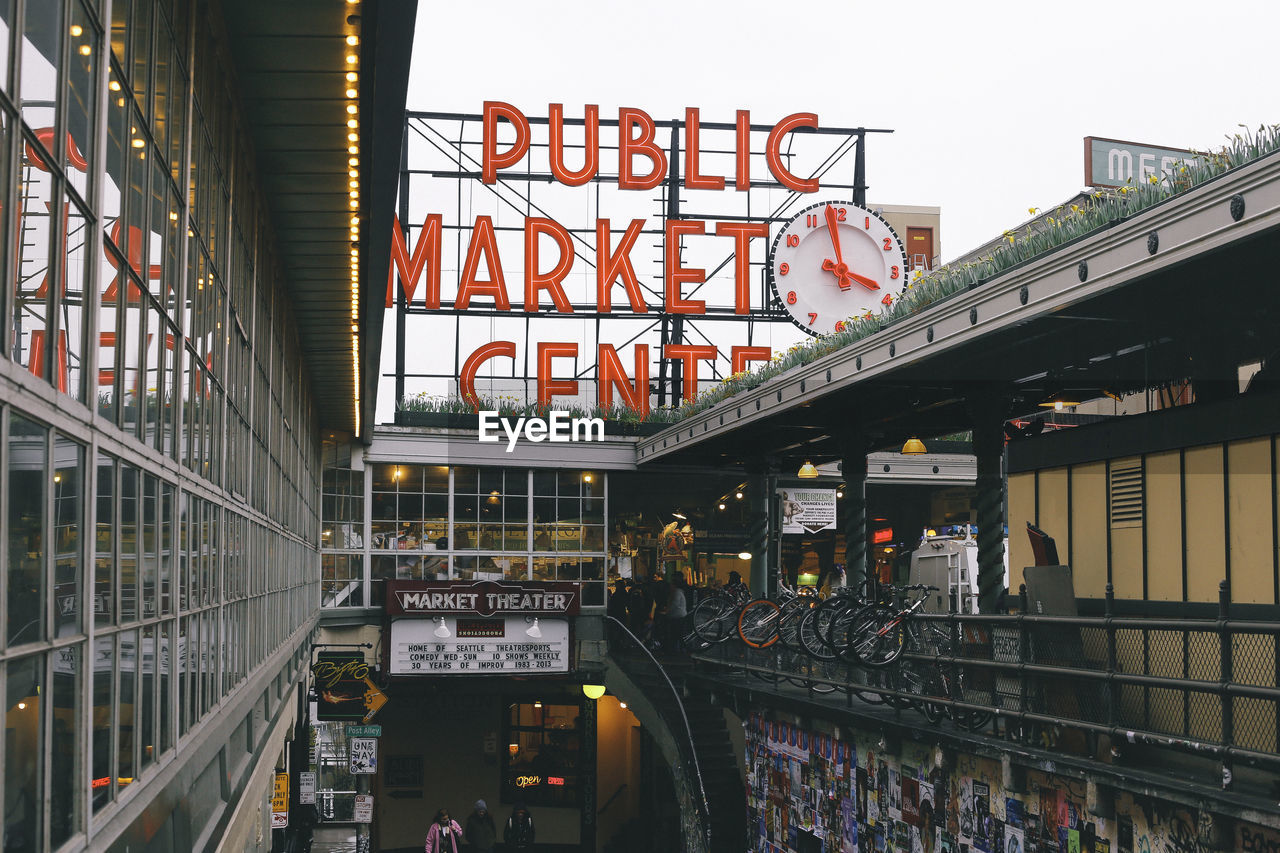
x=1207 y=687
x=636 y=658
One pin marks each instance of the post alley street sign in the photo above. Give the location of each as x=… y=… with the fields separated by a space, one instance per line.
x=482 y=598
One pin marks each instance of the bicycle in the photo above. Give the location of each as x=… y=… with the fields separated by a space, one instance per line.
x=760 y=621
x=873 y=636
x=714 y=617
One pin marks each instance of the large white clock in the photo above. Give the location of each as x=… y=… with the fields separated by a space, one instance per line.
x=833 y=261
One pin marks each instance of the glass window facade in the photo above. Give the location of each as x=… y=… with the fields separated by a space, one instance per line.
x=442 y=522
x=161 y=486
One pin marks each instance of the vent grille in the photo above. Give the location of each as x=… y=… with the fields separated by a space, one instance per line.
x=1126 y=494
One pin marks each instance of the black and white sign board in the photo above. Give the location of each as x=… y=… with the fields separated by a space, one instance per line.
x=450 y=645
x=807 y=510
x=363 y=808
x=307 y=787
x=364 y=755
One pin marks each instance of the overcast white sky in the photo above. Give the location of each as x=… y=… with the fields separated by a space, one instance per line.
x=989 y=100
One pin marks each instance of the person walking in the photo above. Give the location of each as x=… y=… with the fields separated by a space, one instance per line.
x=444 y=835
x=518 y=833
x=481 y=833
x=677 y=613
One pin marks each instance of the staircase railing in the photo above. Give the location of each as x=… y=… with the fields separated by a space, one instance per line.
x=620 y=639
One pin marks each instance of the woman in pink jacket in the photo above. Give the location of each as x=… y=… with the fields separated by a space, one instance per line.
x=444 y=836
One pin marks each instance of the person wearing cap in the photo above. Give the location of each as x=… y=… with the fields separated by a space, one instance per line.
x=481 y=833
x=518 y=833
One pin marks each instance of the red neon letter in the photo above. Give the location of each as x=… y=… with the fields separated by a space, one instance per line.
x=741 y=355
x=692 y=180
x=411 y=266
x=36 y=363
x=609 y=267
x=774 y=158
x=689 y=354
x=467 y=379
x=548 y=387
x=483 y=241
x=534 y=281
x=628 y=146
x=742 y=176
x=742 y=232
x=612 y=373
x=591 y=145
x=134 y=253
x=678 y=275
x=493 y=161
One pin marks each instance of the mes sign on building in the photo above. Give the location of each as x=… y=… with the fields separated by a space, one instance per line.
x=1114 y=162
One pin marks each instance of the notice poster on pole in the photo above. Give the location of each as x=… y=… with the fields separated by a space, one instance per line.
x=807 y=510
x=280 y=801
x=307 y=787
x=363 y=808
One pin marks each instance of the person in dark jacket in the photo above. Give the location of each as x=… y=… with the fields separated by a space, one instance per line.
x=481 y=833
x=518 y=832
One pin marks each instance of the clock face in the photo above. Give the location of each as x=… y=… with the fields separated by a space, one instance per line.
x=835 y=261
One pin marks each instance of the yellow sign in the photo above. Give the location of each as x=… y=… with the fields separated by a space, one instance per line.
x=374 y=699
x=528 y=781
x=280 y=801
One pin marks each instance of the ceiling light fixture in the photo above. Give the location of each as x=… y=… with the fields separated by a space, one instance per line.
x=807 y=471
x=913 y=447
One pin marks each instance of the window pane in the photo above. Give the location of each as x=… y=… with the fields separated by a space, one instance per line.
x=147 y=657
x=24 y=745
x=41 y=46
x=82 y=98
x=465 y=481
x=68 y=487
x=435 y=478
x=100 y=775
x=28 y=475
x=163 y=656
x=105 y=544
x=65 y=745
x=31 y=345
x=126 y=768
x=128 y=543
x=73 y=300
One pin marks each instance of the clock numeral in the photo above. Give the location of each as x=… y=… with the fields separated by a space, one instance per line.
x=793 y=239
x=868 y=223
x=888 y=299
x=888 y=244
x=785 y=268
x=840 y=212
x=791 y=297
x=811 y=220
x=893 y=272
x=839 y=325
x=813 y=318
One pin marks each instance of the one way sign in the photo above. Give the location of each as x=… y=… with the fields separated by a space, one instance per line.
x=364 y=755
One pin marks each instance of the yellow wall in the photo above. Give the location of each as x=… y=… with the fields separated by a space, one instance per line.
x=1231 y=509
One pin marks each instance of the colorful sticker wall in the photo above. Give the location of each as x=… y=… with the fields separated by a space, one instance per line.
x=811 y=792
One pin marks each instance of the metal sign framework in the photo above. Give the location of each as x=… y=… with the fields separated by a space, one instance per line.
x=443 y=150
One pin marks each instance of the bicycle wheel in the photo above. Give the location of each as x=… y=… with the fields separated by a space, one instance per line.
x=713 y=618
x=880 y=640
x=848 y=629
x=789 y=623
x=814 y=628
x=758 y=623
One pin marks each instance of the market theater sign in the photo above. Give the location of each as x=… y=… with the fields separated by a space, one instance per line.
x=481 y=598
x=549 y=253
x=483 y=628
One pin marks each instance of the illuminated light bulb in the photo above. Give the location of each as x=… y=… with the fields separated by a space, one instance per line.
x=352 y=76
x=353 y=173
x=355 y=220
x=76 y=29
x=114 y=85
x=138 y=143
x=85 y=50
x=351 y=93
x=351 y=149
x=120 y=103
x=353 y=40
x=173 y=216
x=22 y=706
x=351 y=109
x=352 y=123
x=351 y=59
x=354 y=203
x=353 y=162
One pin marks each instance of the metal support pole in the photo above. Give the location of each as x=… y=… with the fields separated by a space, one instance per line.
x=860 y=169
x=1113 y=686
x=853 y=512
x=758 y=540
x=988 y=411
x=1225 y=677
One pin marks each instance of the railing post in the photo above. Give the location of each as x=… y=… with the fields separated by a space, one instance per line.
x=1024 y=654
x=1225 y=678
x=1113 y=687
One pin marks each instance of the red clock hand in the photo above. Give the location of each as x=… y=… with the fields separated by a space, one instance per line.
x=839 y=267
